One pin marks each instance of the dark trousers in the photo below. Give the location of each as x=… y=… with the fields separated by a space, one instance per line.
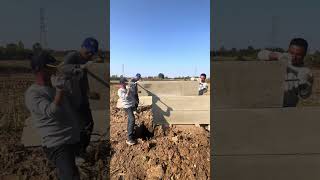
x=63 y=157
x=86 y=127
x=131 y=122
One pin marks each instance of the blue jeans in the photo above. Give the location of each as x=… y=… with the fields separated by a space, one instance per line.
x=131 y=122
x=63 y=157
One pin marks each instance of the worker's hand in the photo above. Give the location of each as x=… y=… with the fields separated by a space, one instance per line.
x=286 y=57
x=86 y=65
x=58 y=82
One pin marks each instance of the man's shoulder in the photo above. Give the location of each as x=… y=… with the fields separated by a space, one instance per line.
x=36 y=90
x=72 y=57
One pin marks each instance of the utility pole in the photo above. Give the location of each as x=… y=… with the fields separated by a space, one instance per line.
x=43 y=28
x=122 y=70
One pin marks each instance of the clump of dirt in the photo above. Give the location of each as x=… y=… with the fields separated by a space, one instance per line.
x=161 y=152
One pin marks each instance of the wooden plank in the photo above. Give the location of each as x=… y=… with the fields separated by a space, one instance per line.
x=276 y=167
x=248 y=84
x=266 y=131
x=168 y=88
x=180 y=117
x=182 y=103
x=30 y=137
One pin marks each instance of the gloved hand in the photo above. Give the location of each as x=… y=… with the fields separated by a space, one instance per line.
x=58 y=82
x=285 y=57
x=303 y=78
x=86 y=65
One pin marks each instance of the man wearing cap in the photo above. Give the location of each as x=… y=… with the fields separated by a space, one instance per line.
x=76 y=64
x=128 y=102
x=53 y=117
x=203 y=86
x=299 y=78
x=134 y=86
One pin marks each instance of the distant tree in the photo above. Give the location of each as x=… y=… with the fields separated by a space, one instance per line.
x=161 y=76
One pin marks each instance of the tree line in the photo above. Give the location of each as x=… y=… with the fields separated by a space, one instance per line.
x=17 y=51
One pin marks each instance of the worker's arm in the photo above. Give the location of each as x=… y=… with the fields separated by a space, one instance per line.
x=267 y=55
x=58 y=97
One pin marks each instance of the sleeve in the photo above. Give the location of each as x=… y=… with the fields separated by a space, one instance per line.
x=263 y=55
x=122 y=94
x=38 y=103
x=70 y=69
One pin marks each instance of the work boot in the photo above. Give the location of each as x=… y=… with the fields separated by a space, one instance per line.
x=131 y=142
x=80 y=160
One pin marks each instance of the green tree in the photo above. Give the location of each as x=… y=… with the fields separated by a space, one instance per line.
x=161 y=76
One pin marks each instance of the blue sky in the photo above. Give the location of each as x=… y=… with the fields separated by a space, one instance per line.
x=68 y=22
x=153 y=36
x=248 y=22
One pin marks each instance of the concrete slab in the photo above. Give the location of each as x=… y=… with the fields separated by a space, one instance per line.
x=276 y=167
x=247 y=84
x=143 y=101
x=266 y=131
x=181 y=117
x=101 y=70
x=181 y=109
x=168 y=88
x=30 y=137
x=182 y=103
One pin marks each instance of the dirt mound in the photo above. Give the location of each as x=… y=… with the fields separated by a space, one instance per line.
x=161 y=153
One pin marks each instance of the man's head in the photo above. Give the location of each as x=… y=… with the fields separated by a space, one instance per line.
x=44 y=65
x=89 y=48
x=298 y=49
x=203 y=77
x=123 y=81
x=138 y=76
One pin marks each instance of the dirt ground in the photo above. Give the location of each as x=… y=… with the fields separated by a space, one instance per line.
x=177 y=152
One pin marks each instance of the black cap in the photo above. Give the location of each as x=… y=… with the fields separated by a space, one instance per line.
x=41 y=60
x=123 y=80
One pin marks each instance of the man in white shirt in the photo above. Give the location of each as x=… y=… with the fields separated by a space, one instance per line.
x=203 y=86
x=299 y=78
x=128 y=103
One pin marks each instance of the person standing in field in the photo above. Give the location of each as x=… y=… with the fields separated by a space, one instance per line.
x=299 y=79
x=203 y=86
x=134 y=86
x=128 y=103
x=76 y=64
x=53 y=117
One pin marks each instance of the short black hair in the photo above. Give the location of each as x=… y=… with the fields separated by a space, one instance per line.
x=42 y=59
x=300 y=42
x=203 y=74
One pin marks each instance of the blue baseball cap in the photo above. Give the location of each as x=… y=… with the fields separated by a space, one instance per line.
x=138 y=75
x=91 y=44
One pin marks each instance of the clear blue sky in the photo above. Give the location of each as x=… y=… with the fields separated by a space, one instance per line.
x=68 y=22
x=248 y=22
x=153 y=36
